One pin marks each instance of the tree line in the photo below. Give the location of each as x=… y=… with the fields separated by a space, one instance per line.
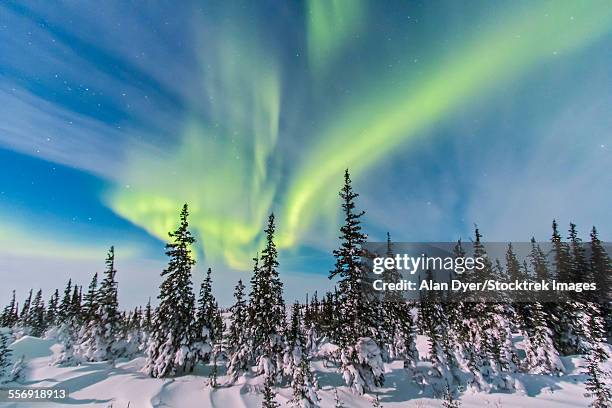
x=471 y=342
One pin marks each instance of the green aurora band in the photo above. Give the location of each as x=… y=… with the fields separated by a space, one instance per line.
x=230 y=171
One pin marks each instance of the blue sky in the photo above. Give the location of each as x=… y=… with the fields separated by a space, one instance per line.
x=113 y=114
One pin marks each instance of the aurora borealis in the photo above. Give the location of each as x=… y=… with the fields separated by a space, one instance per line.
x=113 y=115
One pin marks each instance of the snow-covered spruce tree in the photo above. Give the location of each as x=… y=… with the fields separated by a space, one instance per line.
x=517 y=310
x=545 y=357
x=8 y=318
x=538 y=317
x=146 y=325
x=90 y=300
x=295 y=339
x=312 y=318
x=596 y=386
x=238 y=341
x=361 y=359
x=171 y=349
x=440 y=338
x=51 y=318
x=100 y=340
x=601 y=268
x=5 y=357
x=269 y=396
x=397 y=317
x=563 y=314
x=206 y=335
x=65 y=328
x=296 y=364
x=131 y=334
x=75 y=304
x=64 y=311
x=267 y=309
x=489 y=350
x=24 y=317
x=36 y=316
x=583 y=306
x=328 y=318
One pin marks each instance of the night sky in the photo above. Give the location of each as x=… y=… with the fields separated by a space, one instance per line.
x=114 y=113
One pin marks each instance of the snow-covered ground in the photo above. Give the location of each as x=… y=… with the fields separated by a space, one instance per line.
x=100 y=385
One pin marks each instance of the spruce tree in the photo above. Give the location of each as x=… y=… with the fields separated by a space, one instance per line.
x=146 y=325
x=297 y=364
x=563 y=312
x=582 y=305
x=52 y=309
x=170 y=350
x=350 y=270
x=601 y=267
x=24 y=317
x=5 y=356
x=205 y=319
x=238 y=338
x=399 y=332
x=266 y=308
x=90 y=298
x=148 y=317
x=597 y=387
x=99 y=341
x=108 y=308
x=361 y=357
x=75 y=304
x=36 y=316
x=66 y=328
x=490 y=351
x=8 y=318
x=439 y=336
x=64 y=310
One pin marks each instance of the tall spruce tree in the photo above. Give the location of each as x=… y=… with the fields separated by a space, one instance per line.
x=171 y=349
x=267 y=308
x=350 y=271
x=108 y=306
x=361 y=357
x=601 y=268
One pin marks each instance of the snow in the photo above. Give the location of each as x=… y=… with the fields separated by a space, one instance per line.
x=98 y=385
